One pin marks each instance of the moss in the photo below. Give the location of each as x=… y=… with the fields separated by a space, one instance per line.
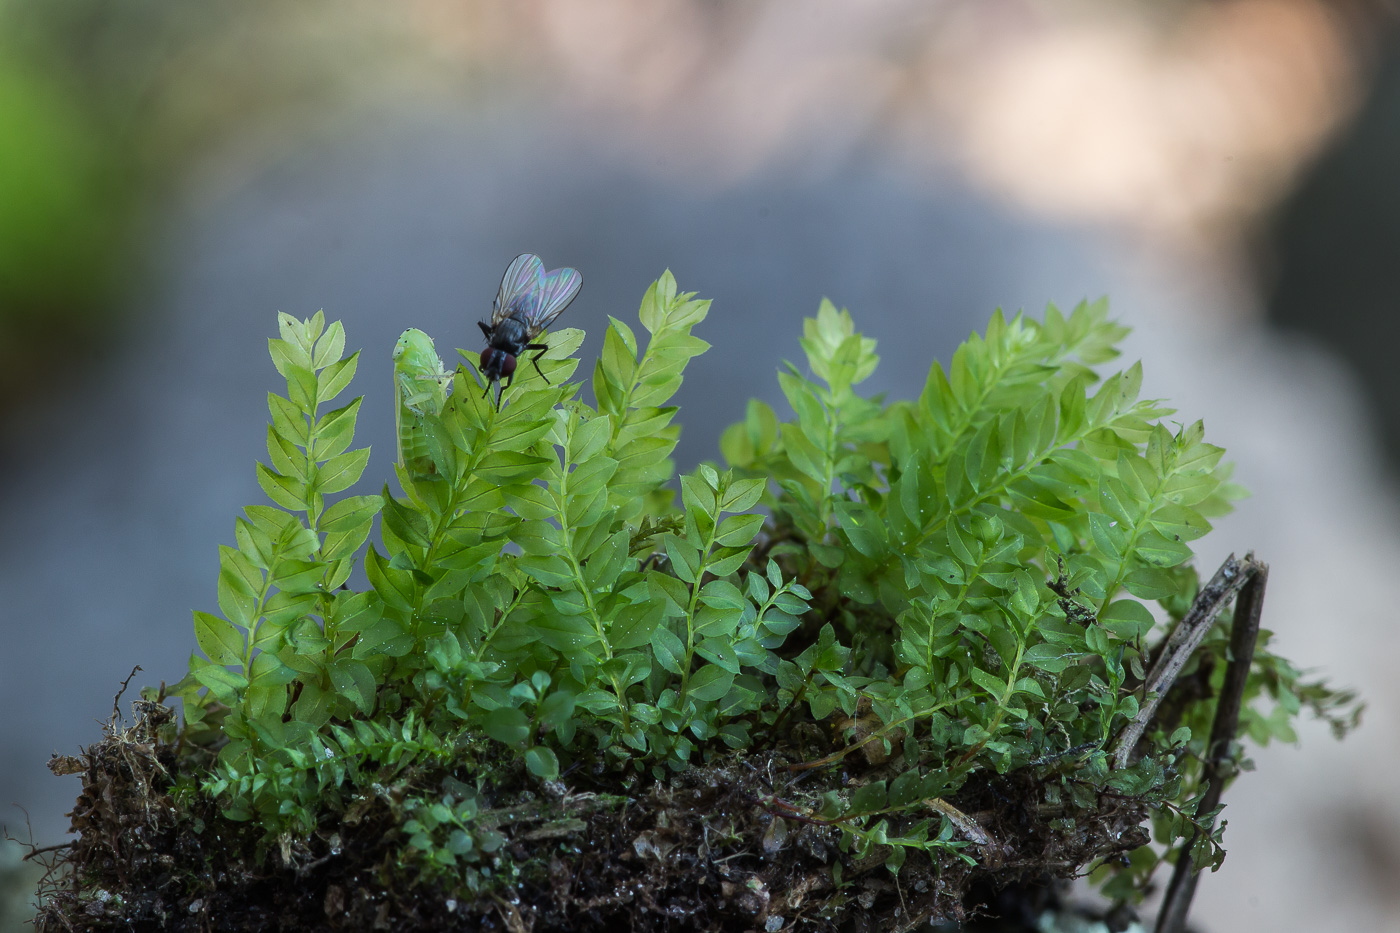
x=897 y=662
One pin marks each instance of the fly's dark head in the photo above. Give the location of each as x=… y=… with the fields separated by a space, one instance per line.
x=497 y=363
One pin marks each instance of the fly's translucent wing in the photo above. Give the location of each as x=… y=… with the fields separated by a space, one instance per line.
x=524 y=275
x=557 y=289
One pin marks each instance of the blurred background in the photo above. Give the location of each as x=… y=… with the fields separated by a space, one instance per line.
x=172 y=174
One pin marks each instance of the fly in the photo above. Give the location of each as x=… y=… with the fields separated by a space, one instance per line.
x=529 y=300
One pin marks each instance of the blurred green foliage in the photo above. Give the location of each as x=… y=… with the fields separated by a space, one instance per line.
x=103 y=107
x=65 y=225
x=60 y=206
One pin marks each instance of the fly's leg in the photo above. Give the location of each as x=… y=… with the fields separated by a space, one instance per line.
x=499 y=389
x=536 y=359
x=487 y=392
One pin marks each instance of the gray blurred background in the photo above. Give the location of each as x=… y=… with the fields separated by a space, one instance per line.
x=171 y=175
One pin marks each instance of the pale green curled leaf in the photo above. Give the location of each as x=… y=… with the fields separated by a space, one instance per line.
x=420 y=392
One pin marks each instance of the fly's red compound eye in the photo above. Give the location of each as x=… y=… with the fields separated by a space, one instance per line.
x=507 y=365
x=487 y=356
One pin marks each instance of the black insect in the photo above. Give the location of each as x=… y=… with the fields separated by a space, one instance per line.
x=528 y=302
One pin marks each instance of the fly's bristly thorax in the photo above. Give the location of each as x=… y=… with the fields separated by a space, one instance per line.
x=511 y=334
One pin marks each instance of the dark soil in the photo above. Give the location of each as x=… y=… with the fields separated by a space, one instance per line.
x=711 y=849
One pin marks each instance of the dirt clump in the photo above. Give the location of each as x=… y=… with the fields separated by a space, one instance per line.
x=718 y=847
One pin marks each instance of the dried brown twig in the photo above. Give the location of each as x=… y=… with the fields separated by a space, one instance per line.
x=1244 y=633
x=1184 y=639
